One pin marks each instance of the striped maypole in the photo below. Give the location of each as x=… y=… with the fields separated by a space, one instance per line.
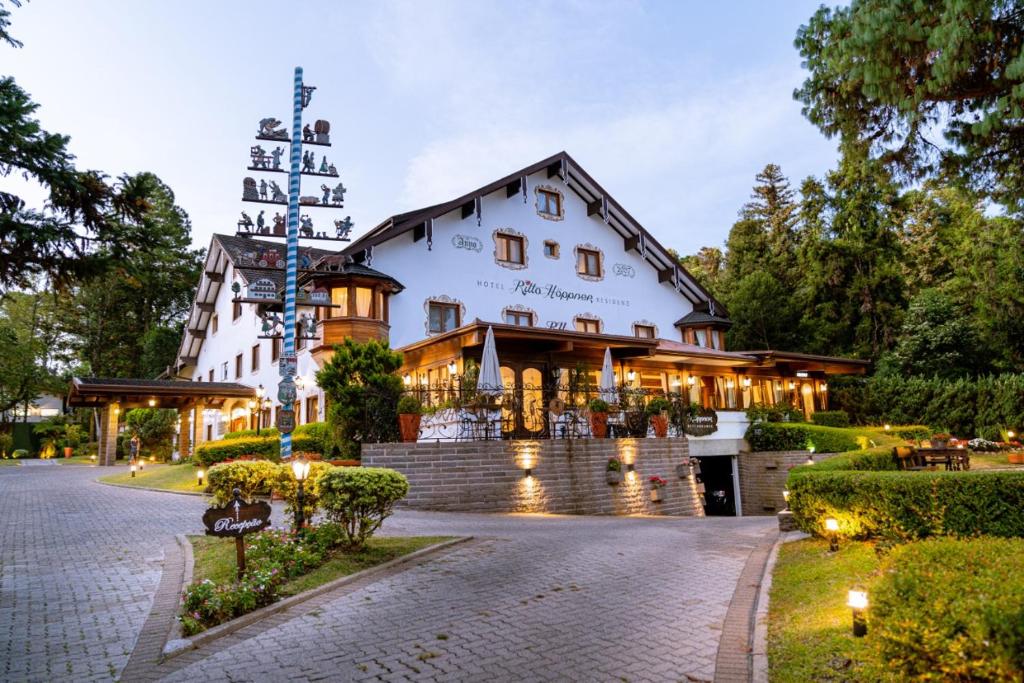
x=293 y=242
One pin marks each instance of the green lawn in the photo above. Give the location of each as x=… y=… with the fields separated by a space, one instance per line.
x=8 y=462
x=154 y=476
x=76 y=460
x=985 y=461
x=215 y=560
x=809 y=625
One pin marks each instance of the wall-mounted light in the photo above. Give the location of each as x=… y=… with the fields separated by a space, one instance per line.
x=452 y=368
x=423 y=380
x=691 y=380
x=406 y=379
x=745 y=383
x=676 y=382
x=117 y=410
x=802 y=373
x=729 y=384
x=857 y=600
x=631 y=375
x=300 y=382
x=832 y=526
x=824 y=387
x=792 y=385
x=152 y=402
x=527 y=472
x=630 y=467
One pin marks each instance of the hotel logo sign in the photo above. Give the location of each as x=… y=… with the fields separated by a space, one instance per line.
x=624 y=270
x=468 y=243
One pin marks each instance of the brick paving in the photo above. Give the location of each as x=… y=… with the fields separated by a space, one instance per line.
x=534 y=598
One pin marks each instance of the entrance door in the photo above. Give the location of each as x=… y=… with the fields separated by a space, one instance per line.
x=523 y=406
x=717 y=476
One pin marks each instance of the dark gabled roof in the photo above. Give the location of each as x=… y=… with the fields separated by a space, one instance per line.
x=235 y=247
x=694 y=318
x=339 y=264
x=580 y=182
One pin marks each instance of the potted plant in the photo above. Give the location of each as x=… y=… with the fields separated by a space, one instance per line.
x=410 y=412
x=657 y=484
x=940 y=440
x=598 y=418
x=73 y=436
x=657 y=410
x=613 y=472
x=687 y=467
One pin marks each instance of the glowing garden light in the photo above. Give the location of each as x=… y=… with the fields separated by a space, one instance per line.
x=832 y=526
x=857 y=600
x=199 y=477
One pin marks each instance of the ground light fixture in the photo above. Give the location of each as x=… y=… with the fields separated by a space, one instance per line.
x=1010 y=434
x=785 y=497
x=133 y=470
x=887 y=427
x=199 y=477
x=300 y=468
x=857 y=600
x=142 y=464
x=832 y=526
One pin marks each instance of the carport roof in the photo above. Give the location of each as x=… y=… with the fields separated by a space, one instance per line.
x=137 y=393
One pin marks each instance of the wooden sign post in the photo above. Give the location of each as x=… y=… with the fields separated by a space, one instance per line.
x=235 y=520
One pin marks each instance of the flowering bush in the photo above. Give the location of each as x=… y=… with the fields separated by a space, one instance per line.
x=657 y=482
x=206 y=604
x=982 y=445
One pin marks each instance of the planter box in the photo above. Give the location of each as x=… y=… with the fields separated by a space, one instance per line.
x=613 y=478
x=656 y=495
x=1015 y=458
x=683 y=471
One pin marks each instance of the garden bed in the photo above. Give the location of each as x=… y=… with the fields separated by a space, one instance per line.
x=277 y=568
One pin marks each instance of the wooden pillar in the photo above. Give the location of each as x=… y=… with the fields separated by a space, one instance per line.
x=198 y=433
x=108 y=435
x=183 y=434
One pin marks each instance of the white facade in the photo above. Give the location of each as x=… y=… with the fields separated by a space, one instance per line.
x=461 y=266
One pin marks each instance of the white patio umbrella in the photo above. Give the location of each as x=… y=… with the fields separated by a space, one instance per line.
x=607 y=388
x=489 y=381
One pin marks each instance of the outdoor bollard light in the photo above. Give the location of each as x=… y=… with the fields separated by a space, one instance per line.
x=833 y=534
x=888 y=427
x=133 y=470
x=857 y=600
x=785 y=497
x=1010 y=434
x=300 y=468
x=142 y=463
x=199 y=476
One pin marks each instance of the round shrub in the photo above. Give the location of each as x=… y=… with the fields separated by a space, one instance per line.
x=952 y=610
x=360 y=499
x=251 y=477
x=19 y=453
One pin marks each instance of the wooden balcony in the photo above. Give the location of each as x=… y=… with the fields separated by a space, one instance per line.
x=335 y=330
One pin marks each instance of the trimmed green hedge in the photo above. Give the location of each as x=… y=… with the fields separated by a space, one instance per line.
x=831 y=418
x=268 y=448
x=906 y=506
x=952 y=610
x=246 y=433
x=787 y=436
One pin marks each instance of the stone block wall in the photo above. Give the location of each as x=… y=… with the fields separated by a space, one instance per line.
x=567 y=475
x=763 y=478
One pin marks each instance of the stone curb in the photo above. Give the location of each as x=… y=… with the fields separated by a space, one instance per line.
x=760 y=644
x=147 y=488
x=212 y=634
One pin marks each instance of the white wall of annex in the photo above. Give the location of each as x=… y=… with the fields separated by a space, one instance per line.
x=626 y=295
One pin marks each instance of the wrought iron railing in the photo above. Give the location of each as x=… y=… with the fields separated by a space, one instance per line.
x=453 y=412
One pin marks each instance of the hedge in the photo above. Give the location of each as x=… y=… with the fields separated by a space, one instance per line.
x=246 y=433
x=787 y=436
x=315 y=430
x=250 y=477
x=952 y=610
x=831 y=418
x=268 y=448
x=905 y=506
x=872 y=459
x=360 y=499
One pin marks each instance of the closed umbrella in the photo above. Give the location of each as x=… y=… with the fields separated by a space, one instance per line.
x=489 y=381
x=607 y=387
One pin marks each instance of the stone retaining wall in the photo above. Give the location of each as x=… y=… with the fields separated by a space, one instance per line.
x=763 y=478
x=567 y=475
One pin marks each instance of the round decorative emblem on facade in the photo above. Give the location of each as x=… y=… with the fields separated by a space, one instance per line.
x=624 y=270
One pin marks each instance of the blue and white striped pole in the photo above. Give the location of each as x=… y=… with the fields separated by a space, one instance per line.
x=293 y=242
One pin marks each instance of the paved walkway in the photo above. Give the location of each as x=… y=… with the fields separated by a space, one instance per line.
x=534 y=598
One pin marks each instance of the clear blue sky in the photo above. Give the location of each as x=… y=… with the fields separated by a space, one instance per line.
x=672 y=106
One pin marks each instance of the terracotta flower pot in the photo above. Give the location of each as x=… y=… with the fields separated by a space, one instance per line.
x=599 y=425
x=1016 y=458
x=660 y=424
x=68 y=450
x=409 y=426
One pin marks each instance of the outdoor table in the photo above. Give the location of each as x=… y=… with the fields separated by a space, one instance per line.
x=950 y=457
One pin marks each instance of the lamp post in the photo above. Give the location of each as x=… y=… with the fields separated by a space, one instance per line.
x=857 y=600
x=260 y=393
x=300 y=468
x=252 y=415
x=832 y=526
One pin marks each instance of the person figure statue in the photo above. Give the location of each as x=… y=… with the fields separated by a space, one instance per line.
x=323 y=165
x=261 y=224
x=327 y=195
x=263 y=190
x=338 y=194
x=277 y=195
x=305 y=261
x=278 y=224
x=343 y=227
x=332 y=170
x=306 y=225
x=307 y=162
x=307 y=133
x=276 y=156
x=245 y=223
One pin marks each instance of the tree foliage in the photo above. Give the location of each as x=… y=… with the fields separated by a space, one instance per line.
x=925 y=85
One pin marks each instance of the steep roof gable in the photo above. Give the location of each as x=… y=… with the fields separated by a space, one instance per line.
x=599 y=204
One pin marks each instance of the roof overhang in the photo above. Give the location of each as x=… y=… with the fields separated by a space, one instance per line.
x=92 y=392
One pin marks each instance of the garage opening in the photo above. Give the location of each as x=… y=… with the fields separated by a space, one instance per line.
x=718 y=477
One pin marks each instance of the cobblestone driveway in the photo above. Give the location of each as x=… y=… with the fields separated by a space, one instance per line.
x=534 y=598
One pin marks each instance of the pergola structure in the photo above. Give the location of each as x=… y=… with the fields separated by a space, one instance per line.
x=190 y=399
